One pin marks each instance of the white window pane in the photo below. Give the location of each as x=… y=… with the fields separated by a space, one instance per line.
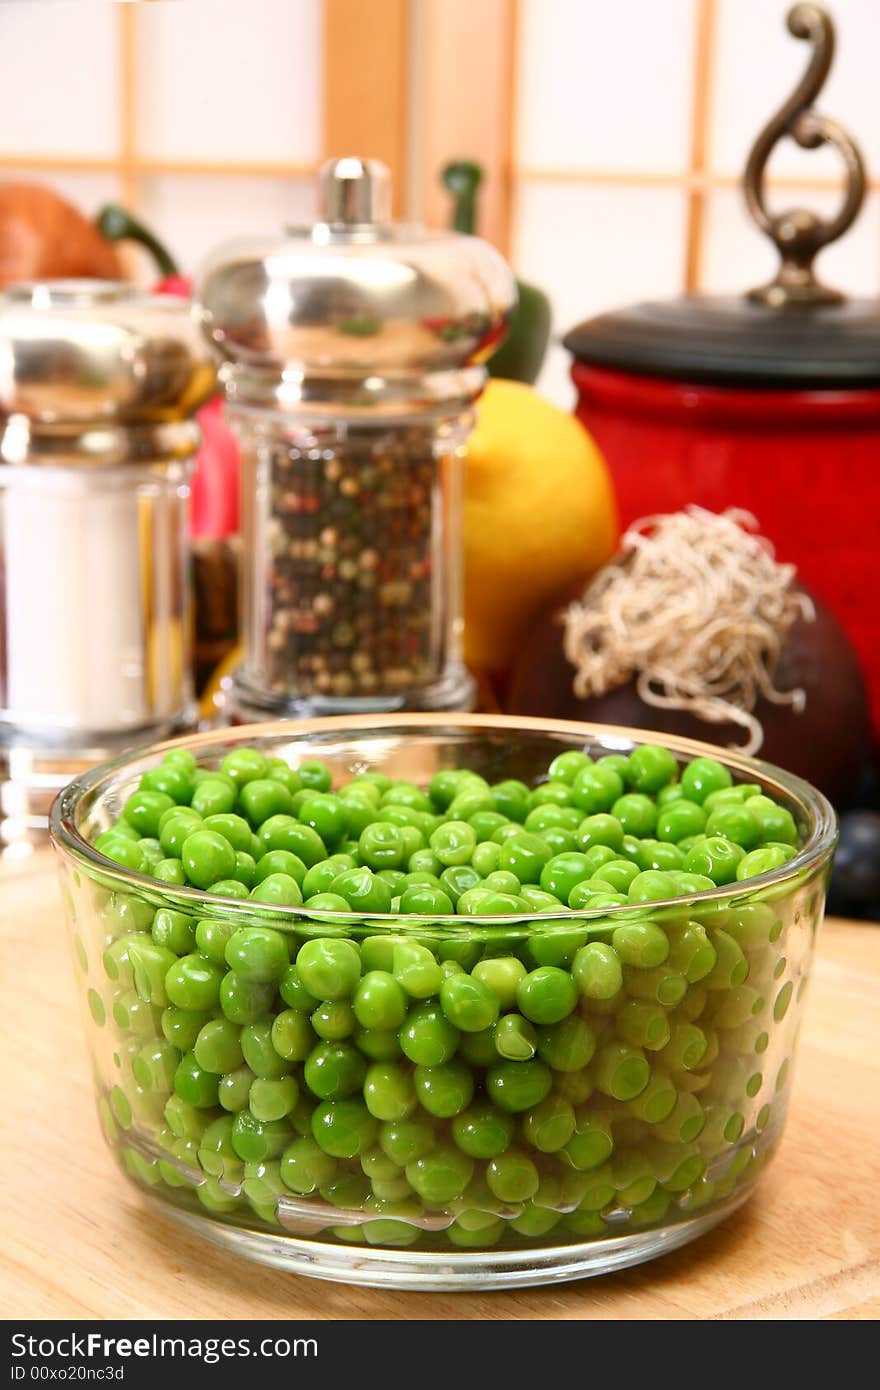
x=738 y=258
x=758 y=63
x=605 y=86
x=596 y=247
x=58 y=93
x=227 y=80
x=193 y=214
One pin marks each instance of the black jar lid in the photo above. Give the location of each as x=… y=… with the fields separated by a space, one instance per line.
x=793 y=332
x=738 y=341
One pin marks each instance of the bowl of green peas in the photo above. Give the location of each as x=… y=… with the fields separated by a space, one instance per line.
x=440 y=1001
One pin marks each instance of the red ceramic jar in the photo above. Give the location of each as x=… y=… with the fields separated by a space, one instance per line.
x=730 y=403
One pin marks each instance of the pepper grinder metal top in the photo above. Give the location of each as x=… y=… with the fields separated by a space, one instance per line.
x=355 y=312
x=352 y=353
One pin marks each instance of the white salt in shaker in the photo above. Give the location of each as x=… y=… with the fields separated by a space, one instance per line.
x=98 y=386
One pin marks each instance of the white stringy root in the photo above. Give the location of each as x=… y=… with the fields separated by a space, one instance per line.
x=697 y=609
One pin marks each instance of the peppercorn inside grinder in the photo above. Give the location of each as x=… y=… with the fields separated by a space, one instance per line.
x=98 y=384
x=352 y=354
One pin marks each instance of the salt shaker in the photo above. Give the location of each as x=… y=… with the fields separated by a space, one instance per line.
x=98 y=384
x=352 y=354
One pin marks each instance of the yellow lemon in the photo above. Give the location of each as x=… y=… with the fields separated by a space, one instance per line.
x=539 y=517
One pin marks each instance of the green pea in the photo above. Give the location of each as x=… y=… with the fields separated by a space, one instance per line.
x=379 y=1001
x=181 y=1026
x=597 y=971
x=636 y=813
x=424 y=900
x=596 y=787
x=560 y=874
x=642 y=944
x=731 y=967
x=192 y=982
x=691 y=952
x=404 y=1141
x=546 y=995
x=294 y=992
x=382 y=1045
x=517 y=1086
x=363 y=891
x=144 y=809
x=600 y=829
x=658 y=983
x=258 y=1051
x=343 y=1128
x=334 y=1020
x=512 y=799
x=621 y=1071
x=458 y=879
x=703 y=776
x=416 y=970
x=642 y=1024
x=453 y=843
x=566 y=766
x=651 y=767
x=618 y=874
x=171 y=779
x=169 y=871
x=515 y=1038
x=257 y=953
x=560 y=839
x=244 y=1001
x=736 y=823
x=279 y=890
x=214 y=796
x=656 y=1101
x=283 y=832
x=502 y=975
x=671 y=792
x=292 y=1035
x=334 y=1071
x=217 y=1047
x=195 y=1085
x=444 y=1090
x=388 y=1091
x=483 y=823
x=525 y=855
x=233 y=1090
x=660 y=856
x=382 y=846
x=592 y=1144
x=775 y=822
x=329 y=968
x=305 y=1166
x=567 y=1046
x=425 y=861
x=174 y=931
x=469 y=1004
x=760 y=861
x=319 y=877
x=482 y=1131
x=686 y=1048
x=272 y=1099
x=651 y=885
x=550 y=1125
x=280 y=861
x=326 y=816
x=440 y=1176
x=551 y=816
x=512 y=1177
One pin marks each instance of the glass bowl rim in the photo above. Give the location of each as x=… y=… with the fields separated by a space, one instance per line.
x=66 y=838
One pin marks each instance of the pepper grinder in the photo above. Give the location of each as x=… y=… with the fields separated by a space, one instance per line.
x=352 y=353
x=98 y=384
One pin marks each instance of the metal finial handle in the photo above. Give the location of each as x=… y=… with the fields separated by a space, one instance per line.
x=799 y=234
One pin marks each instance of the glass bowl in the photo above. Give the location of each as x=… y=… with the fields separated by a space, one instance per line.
x=643 y=1120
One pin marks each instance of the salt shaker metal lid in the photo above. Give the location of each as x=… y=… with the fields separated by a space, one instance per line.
x=98 y=372
x=356 y=311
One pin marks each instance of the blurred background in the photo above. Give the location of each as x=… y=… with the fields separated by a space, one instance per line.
x=598 y=126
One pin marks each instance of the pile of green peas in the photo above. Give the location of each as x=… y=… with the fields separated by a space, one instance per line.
x=439 y=1080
